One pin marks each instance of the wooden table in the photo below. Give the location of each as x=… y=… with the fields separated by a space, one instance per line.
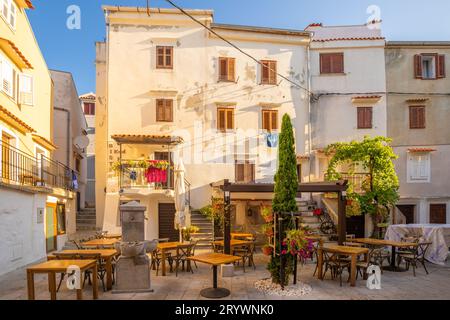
x=106 y=254
x=241 y=235
x=233 y=243
x=215 y=259
x=100 y=243
x=353 y=252
x=53 y=267
x=384 y=243
x=112 y=236
x=163 y=247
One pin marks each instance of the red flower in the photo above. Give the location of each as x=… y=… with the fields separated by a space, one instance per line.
x=317 y=212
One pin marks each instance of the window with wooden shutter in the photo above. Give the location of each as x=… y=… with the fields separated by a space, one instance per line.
x=268 y=72
x=225 y=119
x=416 y=117
x=26 y=89
x=441 y=66
x=164 y=110
x=331 y=63
x=244 y=171
x=164 y=57
x=418 y=66
x=227 y=69
x=364 y=117
x=270 y=120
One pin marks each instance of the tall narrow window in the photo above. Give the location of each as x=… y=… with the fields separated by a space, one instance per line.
x=244 y=171
x=164 y=57
x=364 y=117
x=268 y=72
x=227 y=69
x=417 y=117
x=225 y=119
x=26 y=89
x=419 y=167
x=89 y=108
x=270 y=120
x=331 y=63
x=164 y=110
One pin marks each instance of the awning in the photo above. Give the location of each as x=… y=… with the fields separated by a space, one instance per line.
x=147 y=139
x=418 y=100
x=25 y=4
x=13 y=52
x=366 y=99
x=14 y=121
x=418 y=150
x=47 y=144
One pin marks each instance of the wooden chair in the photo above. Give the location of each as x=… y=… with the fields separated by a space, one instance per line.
x=101 y=266
x=246 y=254
x=416 y=255
x=183 y=252
x=336 y=263
x=194 y=246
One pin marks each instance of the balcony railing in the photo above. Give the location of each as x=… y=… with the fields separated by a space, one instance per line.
x=22 y=169
x=136 y=174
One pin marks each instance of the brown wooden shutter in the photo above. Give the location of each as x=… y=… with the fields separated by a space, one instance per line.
x=274 y=120
x=160 y=110
x=417 y=117
x=231 y=69
x=169 y=57
x=273 y=72
x=221 y=119
x=223 y=70
x=239 y=172
x=265 y=120
x=325 y=63
x=160 y=57
x=230 y=119
x=168 y=114
x=249 y=172
x=440 y=61
x=265 y=72
x=418 y=74
x=337 y=63
x=364 y=117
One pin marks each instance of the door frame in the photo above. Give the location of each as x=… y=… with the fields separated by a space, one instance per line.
x=55 y=225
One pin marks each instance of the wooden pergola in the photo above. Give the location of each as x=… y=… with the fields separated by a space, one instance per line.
x=228 y=188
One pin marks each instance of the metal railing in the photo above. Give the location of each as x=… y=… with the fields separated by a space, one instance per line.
x=20 y=168
x=357 y=180
x=134 y=174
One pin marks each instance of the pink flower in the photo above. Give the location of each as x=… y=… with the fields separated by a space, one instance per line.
x=283 y=251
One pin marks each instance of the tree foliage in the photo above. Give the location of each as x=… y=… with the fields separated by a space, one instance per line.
x=376 y=156
x=286 y=180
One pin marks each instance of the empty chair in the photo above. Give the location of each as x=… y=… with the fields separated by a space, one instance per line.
x=417 y=254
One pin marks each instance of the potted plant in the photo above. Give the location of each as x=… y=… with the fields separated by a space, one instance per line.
x=297 y=244
x=267 y=250
x=187 y=232
x=266 y=213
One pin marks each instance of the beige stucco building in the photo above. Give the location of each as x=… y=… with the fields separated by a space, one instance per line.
x=36 y=193
x=88 y=107
x=418 y=111
x=168 y=89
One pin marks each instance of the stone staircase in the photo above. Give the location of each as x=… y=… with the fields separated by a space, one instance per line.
x=86 y=220
x=306 y=209
x=205 y=235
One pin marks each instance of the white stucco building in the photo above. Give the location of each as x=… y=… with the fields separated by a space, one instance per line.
x=168 y=88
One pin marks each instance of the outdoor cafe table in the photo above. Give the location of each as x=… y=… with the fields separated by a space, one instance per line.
x=215 y=259
x=353 y=252
x=99 y=243
x=53 y=267
x=163 y=247
x=237 y=235
x=106 y=254
x=384 y=243
x=233 y=243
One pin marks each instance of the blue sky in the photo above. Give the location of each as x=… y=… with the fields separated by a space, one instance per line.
x=74 y=50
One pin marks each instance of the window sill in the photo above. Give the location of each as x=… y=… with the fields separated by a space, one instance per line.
x=332 y=74
x=228 y=131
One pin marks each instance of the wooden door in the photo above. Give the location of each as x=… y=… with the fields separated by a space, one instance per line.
x=166 y=220
x=408 y=211
x=438 y=213
x=50 y=226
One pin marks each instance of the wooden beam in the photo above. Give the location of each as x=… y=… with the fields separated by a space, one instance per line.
x=342 y=217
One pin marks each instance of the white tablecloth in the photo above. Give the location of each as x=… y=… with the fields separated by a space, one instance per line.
x=438 y=234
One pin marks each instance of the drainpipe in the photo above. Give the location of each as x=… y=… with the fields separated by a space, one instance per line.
x=68 y=134
x=309 y=113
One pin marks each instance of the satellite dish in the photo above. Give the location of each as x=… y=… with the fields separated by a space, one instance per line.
x=81 y=142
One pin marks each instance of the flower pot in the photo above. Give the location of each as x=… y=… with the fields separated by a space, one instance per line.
x=267 y=250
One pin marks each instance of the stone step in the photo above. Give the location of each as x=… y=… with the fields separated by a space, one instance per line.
x=310 y=219
x=84 y=227
x=86 y=222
